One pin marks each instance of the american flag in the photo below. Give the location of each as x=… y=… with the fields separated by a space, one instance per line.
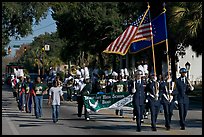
x=122 y=43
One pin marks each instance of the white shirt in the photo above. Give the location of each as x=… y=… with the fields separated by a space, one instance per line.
x=55 y=93
x=183 y=79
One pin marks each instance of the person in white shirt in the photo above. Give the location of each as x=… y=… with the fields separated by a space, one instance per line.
x=55 y=96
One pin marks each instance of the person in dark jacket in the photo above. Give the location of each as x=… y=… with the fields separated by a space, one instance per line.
x=138 y=98
x=166 y=89
x=183 y=87
x=86 y=89
x=153 y=96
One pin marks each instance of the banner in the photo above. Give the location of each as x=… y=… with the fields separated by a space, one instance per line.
x=96 y=102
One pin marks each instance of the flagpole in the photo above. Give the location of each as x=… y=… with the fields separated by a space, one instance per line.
x=153 y=55
x=167 y=51
x=139 y=25
x=167 y=47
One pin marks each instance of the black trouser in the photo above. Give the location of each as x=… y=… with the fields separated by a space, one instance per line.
x=146 y=108
x=168 y=112
x=80 y=107
x=154 y=109
x=138 y=112
x=183 y=108
x=70 y=91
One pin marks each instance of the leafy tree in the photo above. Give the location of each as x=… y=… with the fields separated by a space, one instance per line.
x=90 y=26
x=18 y=18
x=36 y=56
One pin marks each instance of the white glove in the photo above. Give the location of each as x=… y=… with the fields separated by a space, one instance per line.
x=168 y=80
x=192 y=88
x=155 y=78
x=146 y=100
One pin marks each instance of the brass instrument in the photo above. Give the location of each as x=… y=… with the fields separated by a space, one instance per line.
x=73 y=70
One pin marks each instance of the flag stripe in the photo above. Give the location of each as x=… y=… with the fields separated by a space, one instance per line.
x=136 y=31
x=124 y=36
x=123 y=49
x=126 y=39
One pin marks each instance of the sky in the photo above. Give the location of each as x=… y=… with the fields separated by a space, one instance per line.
x=46 y=25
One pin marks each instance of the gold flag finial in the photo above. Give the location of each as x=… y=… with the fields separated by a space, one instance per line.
x=164 y=6
x=148 y=6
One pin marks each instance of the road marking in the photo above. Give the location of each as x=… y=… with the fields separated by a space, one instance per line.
x=11 y=125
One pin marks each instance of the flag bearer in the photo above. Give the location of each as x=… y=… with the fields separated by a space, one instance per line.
x=138 y=98
x=167 y=99
x=153 y=99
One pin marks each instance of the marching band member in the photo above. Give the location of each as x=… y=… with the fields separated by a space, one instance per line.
x=85 y=89
x=119 y=86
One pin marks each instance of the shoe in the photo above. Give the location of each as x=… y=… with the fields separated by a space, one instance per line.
x=139 y=130
x=182 y=128
x=134 y=118
x=87 y=119
x=168 y=128
x=142 y=121
x=145 y=117
x=154 y=129
x=116 y=112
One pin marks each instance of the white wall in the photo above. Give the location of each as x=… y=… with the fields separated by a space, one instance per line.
x=196 y=64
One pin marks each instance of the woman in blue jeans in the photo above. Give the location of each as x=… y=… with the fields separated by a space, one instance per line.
x=55 y=95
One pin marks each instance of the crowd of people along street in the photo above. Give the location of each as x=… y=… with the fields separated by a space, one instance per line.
x=151 y=95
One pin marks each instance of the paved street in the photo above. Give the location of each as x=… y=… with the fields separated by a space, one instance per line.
x=104 y=122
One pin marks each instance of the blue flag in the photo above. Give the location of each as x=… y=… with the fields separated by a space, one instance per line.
x=159 y=34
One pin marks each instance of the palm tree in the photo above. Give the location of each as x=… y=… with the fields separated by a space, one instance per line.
x=186 y=22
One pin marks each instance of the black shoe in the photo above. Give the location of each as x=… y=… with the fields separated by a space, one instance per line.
x=182 y=128
x=154 y=129
x=168 y=128
x=116 y=112
x=138 y=130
